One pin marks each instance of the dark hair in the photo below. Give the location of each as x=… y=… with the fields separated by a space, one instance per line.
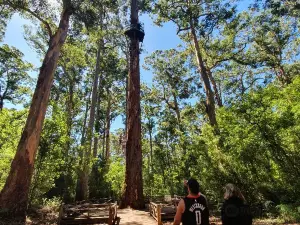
x=233 y=191
x=193 y=186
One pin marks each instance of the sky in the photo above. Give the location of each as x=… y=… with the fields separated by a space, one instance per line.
x=156 y=38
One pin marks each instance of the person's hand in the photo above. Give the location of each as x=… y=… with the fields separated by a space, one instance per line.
x=185 y=182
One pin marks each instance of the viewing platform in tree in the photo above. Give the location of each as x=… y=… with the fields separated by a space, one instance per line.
x=135 y=30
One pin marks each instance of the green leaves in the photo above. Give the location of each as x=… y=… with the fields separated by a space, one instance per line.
x=11 y=125
x=14 y=79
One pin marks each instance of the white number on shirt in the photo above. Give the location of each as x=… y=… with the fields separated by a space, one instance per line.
x=198 y=217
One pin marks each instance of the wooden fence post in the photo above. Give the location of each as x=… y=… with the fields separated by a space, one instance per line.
x=159 y=214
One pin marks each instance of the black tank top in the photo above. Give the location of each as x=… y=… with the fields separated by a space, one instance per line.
x=196 y=211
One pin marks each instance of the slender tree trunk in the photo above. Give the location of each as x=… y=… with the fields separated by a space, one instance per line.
x=1 y=103
x=97 y=127
x=96 y=143
x=215 y=87
x=176 y=107
x=103 y=141
x=210 y=101
x=84 y=178
x=78 y=195
x=133 y=190
x=70 y=111
x=284 y=77
x=14 y=195
x=151 y=143
x=107 y=130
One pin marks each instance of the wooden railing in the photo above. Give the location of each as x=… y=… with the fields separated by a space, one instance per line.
x=88 y=214
x=155 y=212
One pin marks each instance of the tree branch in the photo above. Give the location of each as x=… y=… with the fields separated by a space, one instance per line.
x=34 y=14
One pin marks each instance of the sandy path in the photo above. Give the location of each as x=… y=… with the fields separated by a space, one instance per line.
x=135 y=217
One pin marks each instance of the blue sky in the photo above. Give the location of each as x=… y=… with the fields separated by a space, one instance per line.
x=157 y=38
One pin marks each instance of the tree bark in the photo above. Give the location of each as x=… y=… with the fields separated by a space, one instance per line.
x=107 y=130
x=14 y=195
x=215 y=87
x=133 y=190
x=97 y=126
x=1 y=103
x=78 y=195
x=210 y=101
x=70 y=111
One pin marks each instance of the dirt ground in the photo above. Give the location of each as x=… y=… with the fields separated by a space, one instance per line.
x=134 y=217
x=46 y=216
x=216 y=221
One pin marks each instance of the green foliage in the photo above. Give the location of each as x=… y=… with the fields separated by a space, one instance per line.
x=289 y=213
x=53 y=203
x=115 y=176
x=14 y=78
x=11 y=125
x=48 y=179
x=5 y=15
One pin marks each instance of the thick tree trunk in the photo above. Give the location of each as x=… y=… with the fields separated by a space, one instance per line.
x=133 y=190
x=210 y=101
x=107 y=130
x=84 y=178
x=215 y=87
x=126 y=105
x=14 y=195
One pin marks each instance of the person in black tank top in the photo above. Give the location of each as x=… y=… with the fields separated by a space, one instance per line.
x=192 y=210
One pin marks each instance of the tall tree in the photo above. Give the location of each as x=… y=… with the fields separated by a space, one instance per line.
x=14 y=195
x=198 y=19
x=133 y=188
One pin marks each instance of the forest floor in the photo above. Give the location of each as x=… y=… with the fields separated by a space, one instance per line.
x=46 y=216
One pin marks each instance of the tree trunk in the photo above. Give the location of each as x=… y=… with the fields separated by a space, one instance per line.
x=284 y=77
x=151 y=143
x=84 y=179
x=103 y=141
x=126 y=105
x=14 y=195
x=107 y=130
x=133 y=190
x=98 y=115
x=1 y=103
x=176 y=107
x=210 y=101
x=215 y=87
x=67 y=170
x=78 y=195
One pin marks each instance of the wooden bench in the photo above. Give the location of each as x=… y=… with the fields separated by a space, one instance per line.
x=88 y=214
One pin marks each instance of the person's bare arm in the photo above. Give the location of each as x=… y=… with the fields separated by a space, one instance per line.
x=180 y=211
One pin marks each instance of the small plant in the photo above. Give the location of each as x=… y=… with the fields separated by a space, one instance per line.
x=53 y=203
x=289 y=213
